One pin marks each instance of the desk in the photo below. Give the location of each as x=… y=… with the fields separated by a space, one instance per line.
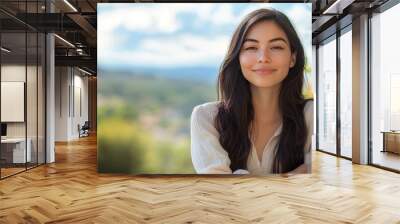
x=18 y=151
x=391 y=141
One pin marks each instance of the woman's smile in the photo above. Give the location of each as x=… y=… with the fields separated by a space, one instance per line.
x=264 y=71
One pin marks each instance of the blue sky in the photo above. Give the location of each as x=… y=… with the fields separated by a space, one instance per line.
x=181 y=34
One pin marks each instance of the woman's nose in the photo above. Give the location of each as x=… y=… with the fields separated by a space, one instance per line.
x=263 y=56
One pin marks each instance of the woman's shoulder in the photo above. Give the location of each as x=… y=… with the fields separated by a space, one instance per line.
x=206 y=110
x=202 y=119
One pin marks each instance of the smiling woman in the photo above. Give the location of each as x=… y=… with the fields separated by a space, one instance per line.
x=261 y=123
x=158 y=61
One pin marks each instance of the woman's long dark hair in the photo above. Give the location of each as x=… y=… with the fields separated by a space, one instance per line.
x=235 y=111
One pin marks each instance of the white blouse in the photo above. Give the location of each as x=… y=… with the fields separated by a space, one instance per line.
x=209 y=157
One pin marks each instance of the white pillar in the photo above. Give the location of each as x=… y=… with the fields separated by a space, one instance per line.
x=360 y=90
x=50 y=93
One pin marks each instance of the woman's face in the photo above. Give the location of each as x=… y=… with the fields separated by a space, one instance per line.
x=265 y=57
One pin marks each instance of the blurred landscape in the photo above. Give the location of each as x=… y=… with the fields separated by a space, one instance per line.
x=144 y=119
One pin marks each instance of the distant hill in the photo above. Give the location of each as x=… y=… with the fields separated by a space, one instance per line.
x=148 y=92
x=207 y=74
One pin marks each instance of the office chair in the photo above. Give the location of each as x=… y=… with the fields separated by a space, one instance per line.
x=84 y=130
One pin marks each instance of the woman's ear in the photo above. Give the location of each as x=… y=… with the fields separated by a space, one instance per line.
x=293 y=59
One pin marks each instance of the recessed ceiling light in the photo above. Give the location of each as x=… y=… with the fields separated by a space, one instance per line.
x=5 y=49
x=64 y=40
x=70 y=5
x=86 y=72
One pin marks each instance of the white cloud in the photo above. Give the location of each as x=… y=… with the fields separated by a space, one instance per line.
x=156 y=19
x=107 y=41
x=136 y=17
x=162 y=18
x=300 y=16
x=222 y=15
x=186 y=50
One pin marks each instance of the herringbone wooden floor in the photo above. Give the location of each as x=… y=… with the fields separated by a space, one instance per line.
x=71 y=191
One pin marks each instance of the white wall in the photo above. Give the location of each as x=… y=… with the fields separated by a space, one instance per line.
x=61 y=103
x=16 y=73
x=71 y=87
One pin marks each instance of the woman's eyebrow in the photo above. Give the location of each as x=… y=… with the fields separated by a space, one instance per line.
x=278 y=39
x=272 y=40
x=251 y=40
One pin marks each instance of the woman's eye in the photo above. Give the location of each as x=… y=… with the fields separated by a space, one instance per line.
x=277 y=48
x=250 y=48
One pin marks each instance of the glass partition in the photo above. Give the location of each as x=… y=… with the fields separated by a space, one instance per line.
x=346 y=94
x=13 y=105
x=327 y=96
x=22 y=91
x=385 y=89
